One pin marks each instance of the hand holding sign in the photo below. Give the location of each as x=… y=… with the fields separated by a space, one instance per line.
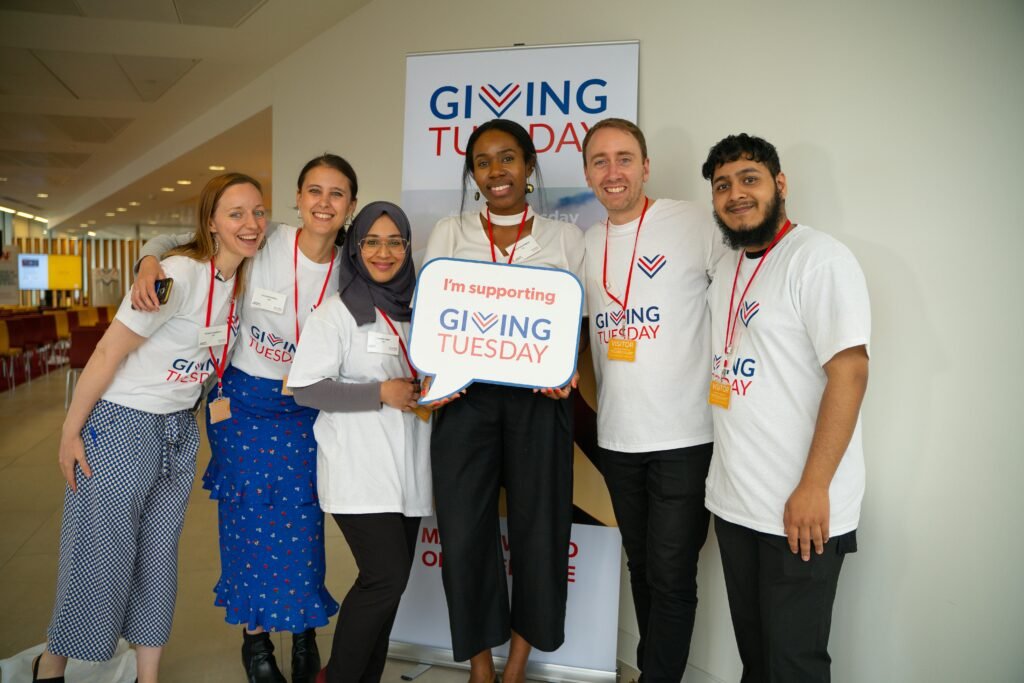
x=495 y=323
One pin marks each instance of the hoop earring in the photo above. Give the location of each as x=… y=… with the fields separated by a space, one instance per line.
x=476 y=196
x=529 y=188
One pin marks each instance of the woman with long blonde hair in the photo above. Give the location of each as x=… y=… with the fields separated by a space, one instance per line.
x=129 y=441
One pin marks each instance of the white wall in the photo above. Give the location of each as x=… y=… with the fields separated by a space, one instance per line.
x=899 y=127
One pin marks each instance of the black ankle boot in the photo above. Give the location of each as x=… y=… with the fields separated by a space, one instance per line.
x=258 y=659
x=305 y=657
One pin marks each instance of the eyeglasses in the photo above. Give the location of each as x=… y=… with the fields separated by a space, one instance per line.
x=396 y=245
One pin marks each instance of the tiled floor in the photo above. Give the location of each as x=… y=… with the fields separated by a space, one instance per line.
x=202 y=646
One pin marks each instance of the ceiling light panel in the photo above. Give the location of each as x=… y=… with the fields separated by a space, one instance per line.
x=161 y=11
x=67 y=7
x=90 y=76
x=22 y=74
x=36 y=128
x=13 y=157
x=153 y=76
x=225 y=13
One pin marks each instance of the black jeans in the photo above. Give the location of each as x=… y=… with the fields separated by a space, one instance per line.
x=658 y=498
x=781 y=606
x=383 y=545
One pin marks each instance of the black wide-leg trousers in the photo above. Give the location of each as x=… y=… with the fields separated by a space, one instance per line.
x=494 y=437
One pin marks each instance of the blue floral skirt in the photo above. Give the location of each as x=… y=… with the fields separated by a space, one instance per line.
x=263 y=476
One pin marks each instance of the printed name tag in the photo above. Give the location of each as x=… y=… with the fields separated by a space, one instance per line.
x=216 y=335
x=622 y=349
x=720 y=394
x=606 y=299
x=525 y=248
x=267 y=300
x=377 y=342
x=220 y=409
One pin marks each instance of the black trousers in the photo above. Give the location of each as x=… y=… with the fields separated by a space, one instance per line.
x=495 y=437
x=658 y=498
x=781 y=606
x=383 y=545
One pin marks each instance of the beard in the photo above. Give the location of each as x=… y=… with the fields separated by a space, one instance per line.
x=761 y=234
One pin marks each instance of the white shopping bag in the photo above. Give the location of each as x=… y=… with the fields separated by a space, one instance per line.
x=118 y=669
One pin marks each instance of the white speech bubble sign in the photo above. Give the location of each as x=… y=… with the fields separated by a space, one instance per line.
x=501 y=324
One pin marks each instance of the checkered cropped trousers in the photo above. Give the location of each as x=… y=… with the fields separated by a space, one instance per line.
x=118 y=573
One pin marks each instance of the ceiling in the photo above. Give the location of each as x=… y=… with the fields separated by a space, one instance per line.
x=88 y=86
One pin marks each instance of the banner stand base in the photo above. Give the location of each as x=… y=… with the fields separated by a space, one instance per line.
x=417 y=671
x=556 y=673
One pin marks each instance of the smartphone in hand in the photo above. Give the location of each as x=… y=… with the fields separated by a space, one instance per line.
x=163 y=289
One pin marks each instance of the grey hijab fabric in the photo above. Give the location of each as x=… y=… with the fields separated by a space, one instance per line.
x=360 y=294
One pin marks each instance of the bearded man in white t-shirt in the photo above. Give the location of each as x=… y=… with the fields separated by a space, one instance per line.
x=790 y=327
x=647 y=272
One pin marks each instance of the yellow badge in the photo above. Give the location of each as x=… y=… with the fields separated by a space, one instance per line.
x=220 y=409
x=422 y=412
x=622 y=349
x=285 y=391
x=720 y=394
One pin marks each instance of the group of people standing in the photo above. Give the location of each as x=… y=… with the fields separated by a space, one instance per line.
x=315 y=410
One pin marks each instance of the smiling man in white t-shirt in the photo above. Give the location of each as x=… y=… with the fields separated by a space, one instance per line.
x=647 y=273
x=790 y=327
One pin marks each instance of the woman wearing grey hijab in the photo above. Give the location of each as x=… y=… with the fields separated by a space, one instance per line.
x=373 y=459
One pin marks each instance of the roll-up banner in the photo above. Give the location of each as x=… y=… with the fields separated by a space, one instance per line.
x=556 y=93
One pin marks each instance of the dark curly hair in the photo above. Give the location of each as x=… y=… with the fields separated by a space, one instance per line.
x=731 y=148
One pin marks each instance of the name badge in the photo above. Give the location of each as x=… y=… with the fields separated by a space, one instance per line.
x=720 y=394
x=525 y=248
x=220 y=409
x=622 y=349
x=285 y=391
x=217 y=335
x=602 y=292
x=377 y=342
x=267 y=300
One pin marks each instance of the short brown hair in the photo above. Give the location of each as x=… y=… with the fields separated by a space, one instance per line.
x=619 y=124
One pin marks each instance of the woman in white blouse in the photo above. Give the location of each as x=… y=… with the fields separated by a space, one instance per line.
x=496 y=437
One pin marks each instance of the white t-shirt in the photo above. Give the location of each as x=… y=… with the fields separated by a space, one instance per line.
x=561 y=243
x=659 y=401
x=373 y=461
x=167 y=372
x=268 y=337
x=808 y=303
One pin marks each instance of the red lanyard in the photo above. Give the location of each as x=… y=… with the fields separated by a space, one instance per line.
x=732 y=321
x=295 y=272
x=490 y=232
x=401 y=344
x=632 y=261
x=219 y=369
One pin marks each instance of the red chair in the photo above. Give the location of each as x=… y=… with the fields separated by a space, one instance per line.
x=46 y=329
x=19 y=331
x=83 y=343
x=8 y=354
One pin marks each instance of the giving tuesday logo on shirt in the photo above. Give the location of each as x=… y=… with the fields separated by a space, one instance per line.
x=748 y=310
x=651 y=265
